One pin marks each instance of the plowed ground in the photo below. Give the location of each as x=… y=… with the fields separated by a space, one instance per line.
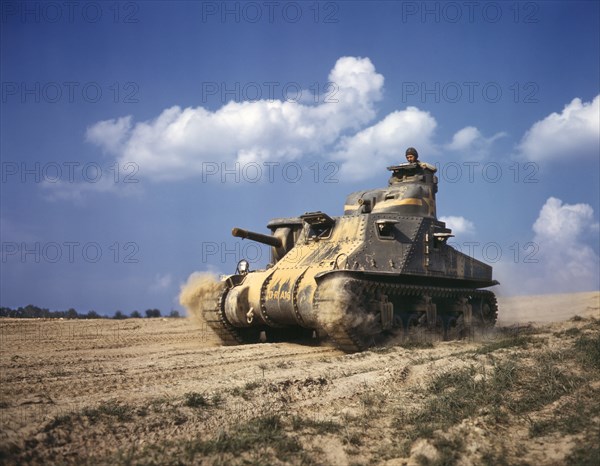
x=162 y=391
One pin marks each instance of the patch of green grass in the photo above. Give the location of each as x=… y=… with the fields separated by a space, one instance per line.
x=122 y=412
x=587 y=351
x=496 y=457
x=519 y=341
x=260 y=441
x=545 y=382
x=518 y=385
x=60 y=420
x=593 y=324
x=574 y=416
x=449 y=451
x=256 y=436
x=252 y=385
x=570 y=332
x=516 y=331
x=246 y=391
x=353 y=438
x=104 y=411
x=284 y=364
x=319 y=426
x=382 y=349
x=217 y=399
x=416 y=344
x=195 y=400
x=510 y=386
x=585 y=455
x=371 y=399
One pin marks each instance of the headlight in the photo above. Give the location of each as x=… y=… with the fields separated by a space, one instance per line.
x=243 y=267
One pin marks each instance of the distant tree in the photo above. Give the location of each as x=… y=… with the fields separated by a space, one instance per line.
x=175 y=314
x=119 y=315
x=152 y=313
x=135 y=315
x=30 y=311
x=92 y=315
x=71 y=314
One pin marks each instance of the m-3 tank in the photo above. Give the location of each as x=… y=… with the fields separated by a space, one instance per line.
x=382 y=269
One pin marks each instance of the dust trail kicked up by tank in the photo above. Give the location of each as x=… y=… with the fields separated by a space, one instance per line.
x=199 y=294
x=340 y=306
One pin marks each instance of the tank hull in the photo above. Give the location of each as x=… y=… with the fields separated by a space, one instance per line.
x=356 y=309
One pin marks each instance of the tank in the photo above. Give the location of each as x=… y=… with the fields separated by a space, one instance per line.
x=381 y=270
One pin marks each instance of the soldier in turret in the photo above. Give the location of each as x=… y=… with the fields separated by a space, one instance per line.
x=412 y=156
x=412 y=169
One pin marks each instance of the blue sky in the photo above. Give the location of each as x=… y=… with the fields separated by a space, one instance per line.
x=135 y=135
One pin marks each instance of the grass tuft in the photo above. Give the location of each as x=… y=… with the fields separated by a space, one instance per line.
x=122 y=412
x=195 y=400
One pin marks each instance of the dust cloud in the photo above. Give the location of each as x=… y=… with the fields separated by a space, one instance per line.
x=340 y=305
x=199 y=294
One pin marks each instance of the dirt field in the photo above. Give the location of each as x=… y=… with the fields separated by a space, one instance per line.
x=161 y=391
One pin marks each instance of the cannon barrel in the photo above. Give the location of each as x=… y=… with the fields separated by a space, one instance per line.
x=265 y=239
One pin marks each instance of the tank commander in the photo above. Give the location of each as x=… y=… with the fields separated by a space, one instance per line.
x=412 y=169
x=412 y=156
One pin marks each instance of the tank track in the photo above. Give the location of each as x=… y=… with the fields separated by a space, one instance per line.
x=350 y=339
x=230 y=335
x=227 y=333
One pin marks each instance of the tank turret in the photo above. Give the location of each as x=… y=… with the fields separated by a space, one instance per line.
x=383 y=268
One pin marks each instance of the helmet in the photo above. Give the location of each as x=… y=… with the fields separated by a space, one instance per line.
x=412 y=151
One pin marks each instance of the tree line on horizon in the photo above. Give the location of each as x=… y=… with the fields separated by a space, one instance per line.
x=31 y=312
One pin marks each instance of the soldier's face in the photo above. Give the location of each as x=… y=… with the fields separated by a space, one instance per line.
x=411 y=158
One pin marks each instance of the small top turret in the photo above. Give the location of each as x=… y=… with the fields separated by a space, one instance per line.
x=413 y=168
x=411 y=191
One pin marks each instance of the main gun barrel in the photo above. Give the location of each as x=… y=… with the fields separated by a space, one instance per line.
x=259 y=237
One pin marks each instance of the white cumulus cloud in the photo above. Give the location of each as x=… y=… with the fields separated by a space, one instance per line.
x=180 y=141
x=110 y=134
x=573 y=132
x=366 y=152
x=563 y=223
x=459 y=225
x=471 y=144
x=560 y=258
